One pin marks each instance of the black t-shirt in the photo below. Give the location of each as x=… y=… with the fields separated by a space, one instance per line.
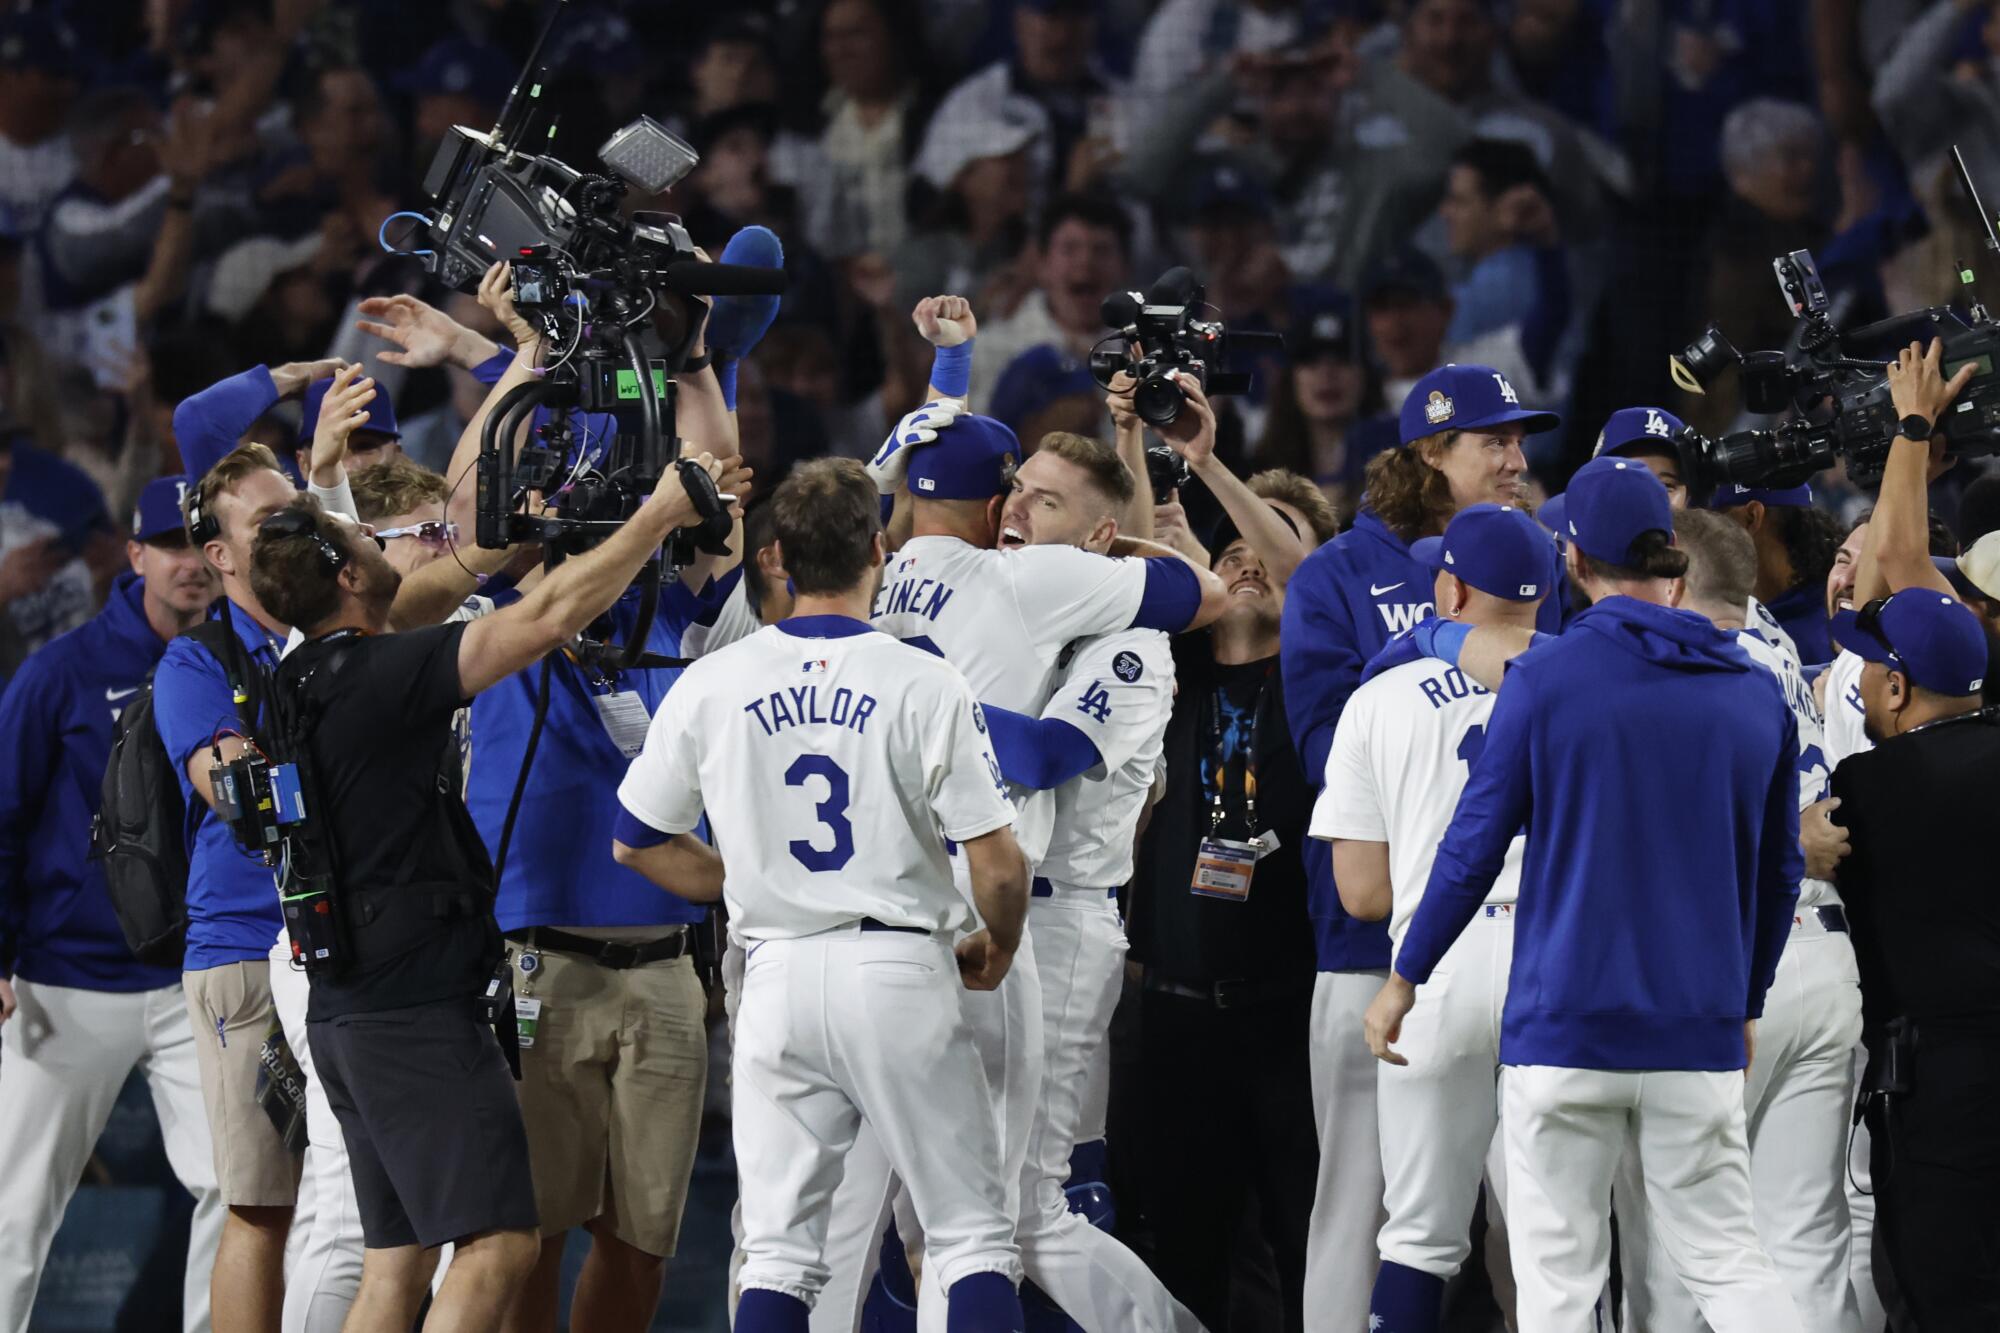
x=415 y=881
x=1219 y=712
x=1920 y=883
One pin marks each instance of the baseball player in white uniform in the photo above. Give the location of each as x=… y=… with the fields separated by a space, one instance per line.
x=1399 y=760
x=835 y=764
x=1096 y=745
x=1799 y=1093
x=1004 y=617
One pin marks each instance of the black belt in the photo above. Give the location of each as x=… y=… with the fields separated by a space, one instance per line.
x=869 y=923
x=1228 y=994
x=618 y=954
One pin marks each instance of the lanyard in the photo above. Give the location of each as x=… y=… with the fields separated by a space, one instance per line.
x=1219 y=758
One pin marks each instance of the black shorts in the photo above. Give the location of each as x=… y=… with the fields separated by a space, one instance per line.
x=432 y=1125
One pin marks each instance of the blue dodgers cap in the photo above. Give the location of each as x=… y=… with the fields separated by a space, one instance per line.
x=381 y=412
x=972 y=459
x=158 y=513
x=1729 y=494
x=1466 y=398
x=1933 y=639
x=1610 y=503
x=1628 y=427
x=1036 y=378
x=1497 y=549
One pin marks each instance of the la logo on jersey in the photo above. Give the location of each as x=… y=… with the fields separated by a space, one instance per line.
x=1656 y=424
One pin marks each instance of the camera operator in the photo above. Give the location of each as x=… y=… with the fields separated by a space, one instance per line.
x=1217 y=914
x=432 y=1127
x=1918 y=883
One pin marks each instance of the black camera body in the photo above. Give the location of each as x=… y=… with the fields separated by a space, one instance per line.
x=1837 y=386
x=1162 y=332
x=1166 y=470
x=616 y=300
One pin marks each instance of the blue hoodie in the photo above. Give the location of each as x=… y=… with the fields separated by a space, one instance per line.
x=56 y=924
x=1655 y=769
x=232 y=898
x=1342 y=605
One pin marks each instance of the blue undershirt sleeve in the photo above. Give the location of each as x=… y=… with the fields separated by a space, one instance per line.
x=1172 y=596
x=1038 y=752
x=635 y=832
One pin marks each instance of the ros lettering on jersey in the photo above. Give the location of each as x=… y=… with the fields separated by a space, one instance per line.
x=1452 y=685
x=801 y=705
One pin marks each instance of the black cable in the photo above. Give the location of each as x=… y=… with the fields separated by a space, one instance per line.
x=527 y=758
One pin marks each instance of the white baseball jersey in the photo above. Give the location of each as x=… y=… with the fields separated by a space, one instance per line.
x=1758 y=620
x=1815 y=773
x=833 y=769
x=1845 y=713
x=731 y=622
x=1118 y=689
x=1003 y=618
x=1400 y=757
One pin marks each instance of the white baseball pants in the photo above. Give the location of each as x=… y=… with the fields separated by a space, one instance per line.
x=324 y=1272
x=842 y=1027
x=67 y=1052
x=1797 y=1105
x=1080 y=956
x=1440 y=1113
x=1566 y=1130
x=1347 y=1203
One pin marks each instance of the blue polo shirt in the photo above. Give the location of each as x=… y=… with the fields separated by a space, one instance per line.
x=559 y=870
x=232 y=897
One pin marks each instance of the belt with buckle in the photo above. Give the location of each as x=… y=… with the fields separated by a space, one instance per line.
x=869 y=924
x=617 y=954
x=1230 y=993
x=1829 y=920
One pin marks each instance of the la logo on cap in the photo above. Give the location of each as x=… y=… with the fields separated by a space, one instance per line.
x=1655 y=423
x=1438 y=409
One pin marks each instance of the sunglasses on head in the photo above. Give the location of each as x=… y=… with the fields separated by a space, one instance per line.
x=298 y=523
x=1869 y=621
x=432 y=533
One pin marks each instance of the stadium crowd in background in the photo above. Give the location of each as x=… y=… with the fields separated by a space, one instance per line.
x=1481 y=228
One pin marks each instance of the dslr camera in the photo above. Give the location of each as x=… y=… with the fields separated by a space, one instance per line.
x=1161 y=331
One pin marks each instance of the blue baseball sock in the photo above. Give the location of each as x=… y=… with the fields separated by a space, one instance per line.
x=984 y=1303
x=736 y=323
x=1405 y=1300
x=762 y=1311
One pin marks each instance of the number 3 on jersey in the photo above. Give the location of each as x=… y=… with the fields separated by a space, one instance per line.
x=1096 y=701
x=832 y=812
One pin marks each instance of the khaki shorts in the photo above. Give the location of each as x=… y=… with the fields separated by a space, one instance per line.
x=230 y=1007
x=612 y=1092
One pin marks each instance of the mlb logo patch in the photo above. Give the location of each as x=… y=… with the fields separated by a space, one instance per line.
x=1527 y=590
x=810 y=667
x=1501 y=911
x=926 y=484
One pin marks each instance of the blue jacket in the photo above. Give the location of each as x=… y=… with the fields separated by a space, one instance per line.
x=1655 y=769
x=56 y=924
x=1346 y=601
x=232 y=898
x=208 y=424
x=559 y=870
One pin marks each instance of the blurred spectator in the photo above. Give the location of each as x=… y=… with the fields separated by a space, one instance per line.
x=50 y=516
x=455 y=83
x=1046 y=389
x=1316 y=407
x=1185 y=37
x=799 y=360
x=1053 y=83
x=1500 y=220
x=1774 y=156
x=737 y=63
x=1233 y=246
x=871 y=129
x=977 y=162
x=37 y=81
x=1082 y=254
x=1408 y=311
